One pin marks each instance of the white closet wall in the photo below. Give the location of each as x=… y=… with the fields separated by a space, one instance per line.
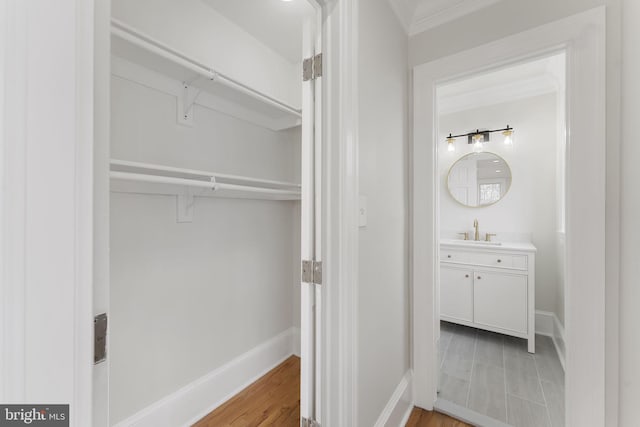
x=200 y=32
x=187 y=298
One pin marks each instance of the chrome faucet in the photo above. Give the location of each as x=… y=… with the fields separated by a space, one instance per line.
x=476 y=236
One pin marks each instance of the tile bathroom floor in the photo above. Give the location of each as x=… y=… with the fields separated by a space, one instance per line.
x=494 y=375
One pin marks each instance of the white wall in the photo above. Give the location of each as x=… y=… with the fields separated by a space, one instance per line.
x=383 y=315
x=529 y=207
x=187 y=298
x=193 y=27
x=511 y=17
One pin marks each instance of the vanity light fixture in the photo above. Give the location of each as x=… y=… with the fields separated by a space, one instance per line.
x=479 y=137
x=451 y=143
x=508 y=135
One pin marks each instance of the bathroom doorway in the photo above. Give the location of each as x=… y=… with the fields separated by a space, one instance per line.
x=581 y=39
x=501 y=169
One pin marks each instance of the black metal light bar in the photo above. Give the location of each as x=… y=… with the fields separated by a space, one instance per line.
x=484 y=133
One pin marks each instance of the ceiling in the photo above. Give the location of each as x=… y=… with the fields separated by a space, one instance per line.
x=420 y=15
x=525 y=80
x=276 y=23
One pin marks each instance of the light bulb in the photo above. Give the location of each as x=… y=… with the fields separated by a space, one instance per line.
x=450 y=144
x=508 y=136
x=477 y=145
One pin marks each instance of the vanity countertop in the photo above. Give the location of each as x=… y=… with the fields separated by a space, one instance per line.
x=481 y=244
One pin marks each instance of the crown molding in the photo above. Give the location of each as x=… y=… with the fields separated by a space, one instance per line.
x=425 y=19
x=497 y=94
x=403 y=12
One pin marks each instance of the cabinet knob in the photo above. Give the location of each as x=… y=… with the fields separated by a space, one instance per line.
x=479 y=277
x=448 y=256
x=466 y=275
x=499 y=260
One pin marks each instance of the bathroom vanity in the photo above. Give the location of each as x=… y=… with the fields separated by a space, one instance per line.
x=489 y=285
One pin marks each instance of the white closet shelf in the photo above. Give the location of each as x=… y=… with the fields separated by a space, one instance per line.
x=144 y=178
x=241 y=100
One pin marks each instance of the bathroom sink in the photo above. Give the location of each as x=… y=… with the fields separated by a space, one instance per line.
x=471 y=242
x=479 y=242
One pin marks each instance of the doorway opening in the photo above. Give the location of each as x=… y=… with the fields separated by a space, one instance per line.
x=501 y=215
x=581 y=38
x=210 y=189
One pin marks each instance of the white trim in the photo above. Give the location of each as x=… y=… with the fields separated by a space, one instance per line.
x=295 y=341
x=544 y=323
x=426 y=19
x=340 y=216
x=497 y=94
x=403 y=12
x=82 y=405
x=467 y=415
x=548 y=324
x=197 y=399
x=398 y=409
x=582 y=37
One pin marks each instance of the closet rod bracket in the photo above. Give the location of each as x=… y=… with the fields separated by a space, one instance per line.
x=186 y=100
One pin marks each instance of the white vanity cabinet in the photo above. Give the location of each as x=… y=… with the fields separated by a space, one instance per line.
x=489 y=287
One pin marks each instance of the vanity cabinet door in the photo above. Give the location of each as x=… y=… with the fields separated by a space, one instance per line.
x=500 y=300
x=456 y=293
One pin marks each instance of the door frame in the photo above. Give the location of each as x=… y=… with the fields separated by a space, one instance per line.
x=339 y=208
x=582 y=36
x=73 y=317
x=46 y=134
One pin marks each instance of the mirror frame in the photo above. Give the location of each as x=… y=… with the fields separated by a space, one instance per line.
x=472 y=154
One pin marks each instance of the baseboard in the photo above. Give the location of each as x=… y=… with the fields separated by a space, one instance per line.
x=195 y=400
x=465 y=414
x=547 y=323
x=295 y=342
x=398 y=408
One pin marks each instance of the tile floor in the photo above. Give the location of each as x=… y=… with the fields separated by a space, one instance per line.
x=495 y=375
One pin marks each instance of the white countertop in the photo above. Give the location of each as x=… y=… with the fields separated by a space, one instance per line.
x=481 y=244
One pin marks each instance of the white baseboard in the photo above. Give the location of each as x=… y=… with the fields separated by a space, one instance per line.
x=398 y=408
x=295 y=342
x=465 y=414
x=195 y=400
x=547 y=323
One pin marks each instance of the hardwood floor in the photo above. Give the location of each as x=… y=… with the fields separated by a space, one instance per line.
x=422 y=418
x=273 y=400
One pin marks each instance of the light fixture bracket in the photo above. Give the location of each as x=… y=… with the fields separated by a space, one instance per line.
x=472 y=138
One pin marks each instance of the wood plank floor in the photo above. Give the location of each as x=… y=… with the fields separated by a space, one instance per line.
x=421 y=418
x=273 y=400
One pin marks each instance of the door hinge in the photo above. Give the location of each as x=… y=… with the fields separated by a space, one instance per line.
x=306 y=422
x=312 y=272
x=100 y=338
x=312 y=68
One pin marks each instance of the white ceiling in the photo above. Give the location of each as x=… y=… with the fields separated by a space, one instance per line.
x=533 y=78
x=276 y=23
x=420 y=15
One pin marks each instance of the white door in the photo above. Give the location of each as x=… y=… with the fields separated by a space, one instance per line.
x=507 y=291
x=311 y=294
x=456 y=294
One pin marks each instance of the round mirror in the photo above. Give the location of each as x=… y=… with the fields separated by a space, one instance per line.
x=479 y=179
